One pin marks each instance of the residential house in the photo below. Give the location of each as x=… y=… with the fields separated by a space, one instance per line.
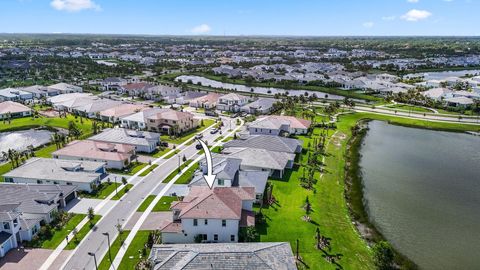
x=65 y=88
x=166 y=121
x=231 y=102
x=259 y=106
x=114 y=155
x=113 y=114
x=226 y=256
x=91 y=107
x=270 y=143
x=14 y=94
x=113 y=83
x=143 y=141
x=210 y=215
x=68 y=101
x=276 y=125
x=10 y=109
x=460 y=102
x=39 y=91
x=438 y=94
x=24 y=207
x=86 y=175
x=208 y=101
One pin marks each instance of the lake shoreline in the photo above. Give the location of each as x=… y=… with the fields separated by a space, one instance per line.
x=354 y=195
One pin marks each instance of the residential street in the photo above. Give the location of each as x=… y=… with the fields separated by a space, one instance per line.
x=125 y=208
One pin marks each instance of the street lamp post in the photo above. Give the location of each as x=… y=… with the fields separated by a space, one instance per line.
x=94 y=259
x=116 y=186
x=179 y=168
x=109 y=253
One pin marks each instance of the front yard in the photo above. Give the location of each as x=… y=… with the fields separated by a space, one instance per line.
x=162 y=205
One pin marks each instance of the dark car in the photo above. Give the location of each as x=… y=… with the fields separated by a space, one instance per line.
x=198 y=146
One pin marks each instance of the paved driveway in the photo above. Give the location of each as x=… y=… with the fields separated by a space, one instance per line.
x=155 y=221
x=80 y=206
x=30 y=259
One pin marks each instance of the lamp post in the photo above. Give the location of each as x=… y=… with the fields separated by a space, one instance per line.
x=94 y=259
x=179 y=168
x=109 y=253
x=116 y=186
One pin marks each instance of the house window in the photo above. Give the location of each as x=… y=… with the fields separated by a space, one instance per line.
x=215 y=237
x=220 y=182
x=195 y=222
x=224 y=223
x=39 y=182
x=232 y=237
x=15 y=222
x=206 y=221
x=6 y=226
x=204 y=237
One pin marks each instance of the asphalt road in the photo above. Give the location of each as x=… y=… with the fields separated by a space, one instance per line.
x=96 y=242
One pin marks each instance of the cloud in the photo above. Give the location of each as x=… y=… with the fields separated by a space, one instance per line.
x=389 y=18
x=368 y=24
x=416 y=15
x=74 y=5
x=201 y=29
x=413 y=1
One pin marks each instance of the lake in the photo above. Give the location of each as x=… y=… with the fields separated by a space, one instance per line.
x=247 y=89
x=442 y=75
x=422 y=191
x=20 y=140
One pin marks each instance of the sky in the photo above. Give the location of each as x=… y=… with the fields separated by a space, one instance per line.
x=243 y=17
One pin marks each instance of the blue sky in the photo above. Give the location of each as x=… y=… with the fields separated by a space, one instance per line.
x=242 y=17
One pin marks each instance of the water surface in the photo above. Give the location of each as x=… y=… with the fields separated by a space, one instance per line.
x=422 y=190
x=20 y=140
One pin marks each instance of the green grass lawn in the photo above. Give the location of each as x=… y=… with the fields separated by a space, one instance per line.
x=405 y=107
x=149 y=170
x=28 y=122
x=122 y=192
x=219 y=138
x=114 y=248
x=103 y=192
x=4 y=169
x=186 y=136
x=172 y=154
x=162 y=205
x=162 y=152
x=175 y=172
x=73 y=243
x=187 y=176
x=132 y=169
x=134 y=251
x=60 y=235
x=216 y=149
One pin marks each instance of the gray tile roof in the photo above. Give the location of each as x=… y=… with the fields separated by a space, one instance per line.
x=57 y=170
x=260 y=158
x=256 y=179
x=225 y=169
x=223 y=256
x=126 y=136
x=261 y=104
x=4 y=236
x=267 y=142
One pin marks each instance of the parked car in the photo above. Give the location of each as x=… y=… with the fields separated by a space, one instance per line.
x=213 y=131
x=198 y=136
x=198 y=146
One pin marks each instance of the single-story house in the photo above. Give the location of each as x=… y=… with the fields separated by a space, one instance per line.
x=85 y=175
x=260 y=106
x=10 y=109
x=143 y=141
x=277 y=124
x=115 y=155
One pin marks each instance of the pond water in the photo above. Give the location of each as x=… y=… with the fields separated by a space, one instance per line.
x=20 y=140
x=422 y=191
x=247 y=89
x=442 y=75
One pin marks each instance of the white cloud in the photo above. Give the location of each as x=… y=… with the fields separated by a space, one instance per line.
x=201 y=29
x=368 y=24
x=389 y=18
x=74 y=5
x=413 y=1
x=416 y=15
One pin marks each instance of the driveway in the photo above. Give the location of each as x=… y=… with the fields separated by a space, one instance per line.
x=155 y=221
x=80 y=206
x=30 y=259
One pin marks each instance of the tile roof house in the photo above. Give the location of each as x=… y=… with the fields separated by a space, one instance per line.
x=10 y=109
x=278 y=124
x=114 y=155
x=113 y=114
x=214 y=215
x=83 y=174
x=143 y=141
x=259 y=106
x=231 y=102
x=226 y=256
x=39 y=91
x=271 y=143
x=208 y=101
x=23 y=207
x=13 y=94
x=65 y=88
x=166 y=121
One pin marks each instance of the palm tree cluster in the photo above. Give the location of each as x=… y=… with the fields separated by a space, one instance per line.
x=16 y=158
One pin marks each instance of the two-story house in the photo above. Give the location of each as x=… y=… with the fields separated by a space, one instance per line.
x=210 y=215
x=231 y=102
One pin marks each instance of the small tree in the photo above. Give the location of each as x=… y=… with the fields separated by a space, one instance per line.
x=124 y=180
x=250 y=234
x=75 y=232
x=307 y=206
x=91 y=215
x=184 y=159
x=383 y=255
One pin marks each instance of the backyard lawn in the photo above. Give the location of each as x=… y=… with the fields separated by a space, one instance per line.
x=134 y=251
x=73 y=243
x=162 y=205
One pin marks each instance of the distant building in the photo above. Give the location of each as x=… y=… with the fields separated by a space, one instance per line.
x=226 y=256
